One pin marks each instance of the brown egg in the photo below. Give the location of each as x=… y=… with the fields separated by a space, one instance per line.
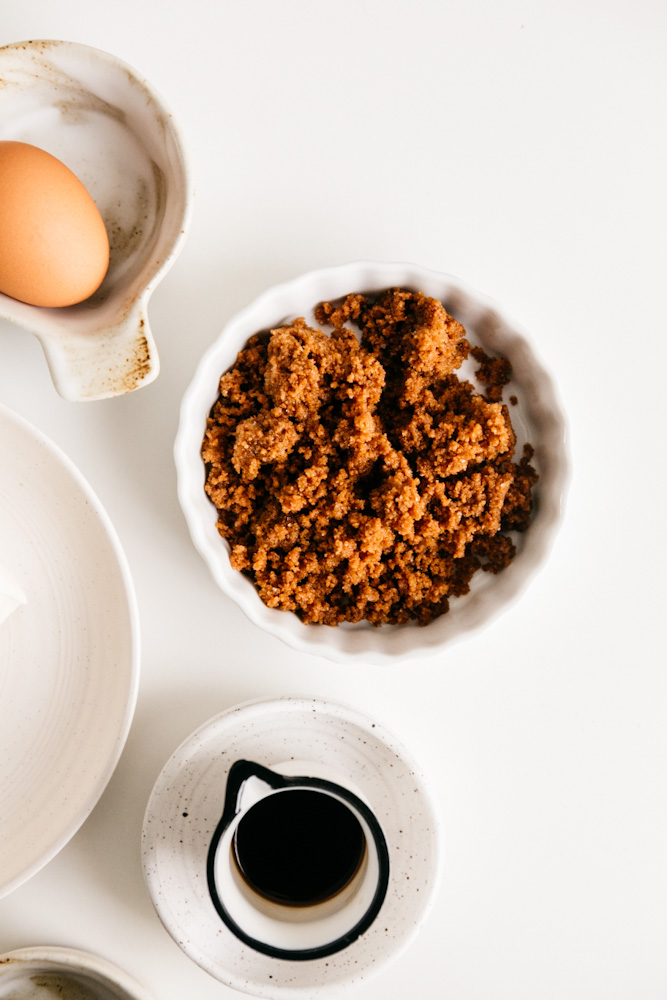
x=54 y=247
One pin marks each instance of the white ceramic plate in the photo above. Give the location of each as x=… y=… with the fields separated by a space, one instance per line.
x=538 y=417
x=69 y=657
x=186 y=805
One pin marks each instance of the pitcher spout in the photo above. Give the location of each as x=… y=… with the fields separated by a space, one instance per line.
x=247 y=784
x=116 y=358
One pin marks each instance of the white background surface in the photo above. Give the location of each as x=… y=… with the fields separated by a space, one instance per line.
x=522 y=147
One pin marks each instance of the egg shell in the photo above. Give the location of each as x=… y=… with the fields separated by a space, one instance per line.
x=54 y=247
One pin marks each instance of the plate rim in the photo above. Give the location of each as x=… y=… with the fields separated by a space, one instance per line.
x=80 y=483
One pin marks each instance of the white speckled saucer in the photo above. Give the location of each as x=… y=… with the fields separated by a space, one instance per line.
x=186 y=804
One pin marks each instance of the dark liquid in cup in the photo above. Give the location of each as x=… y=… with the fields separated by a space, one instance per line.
x=299 y=847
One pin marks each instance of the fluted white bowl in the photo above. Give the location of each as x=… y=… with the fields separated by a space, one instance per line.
x=538 y=418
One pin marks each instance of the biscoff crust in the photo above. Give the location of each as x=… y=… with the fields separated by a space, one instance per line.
x=363 y=479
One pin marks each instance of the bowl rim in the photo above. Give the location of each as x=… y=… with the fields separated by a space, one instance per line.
x=359 y=275
x=108 y=350
x=171 y=122
x=58 y=958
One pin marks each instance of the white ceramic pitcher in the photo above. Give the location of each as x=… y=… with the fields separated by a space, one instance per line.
x=286 y=931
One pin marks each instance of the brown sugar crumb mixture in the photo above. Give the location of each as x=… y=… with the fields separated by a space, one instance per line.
x=365 y=480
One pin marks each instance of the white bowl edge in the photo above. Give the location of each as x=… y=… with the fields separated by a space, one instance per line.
x=369 y=643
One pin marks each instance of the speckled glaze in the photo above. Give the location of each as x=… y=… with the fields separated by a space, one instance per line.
x=108 y=125
x=186 y=804
x=42 y=973
x=537 y=417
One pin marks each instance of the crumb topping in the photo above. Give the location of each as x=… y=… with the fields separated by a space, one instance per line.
x=363 y=480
